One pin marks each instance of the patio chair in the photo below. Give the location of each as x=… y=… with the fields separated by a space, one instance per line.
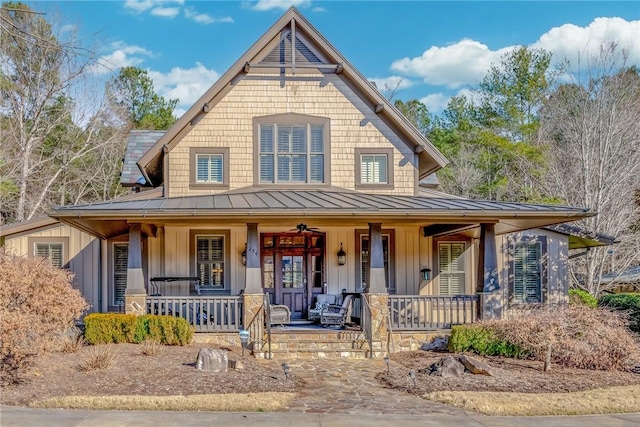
x=279 y=314
x=337 y=315
x=322 y=302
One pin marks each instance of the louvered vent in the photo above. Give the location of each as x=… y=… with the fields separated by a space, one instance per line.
x=281 y=54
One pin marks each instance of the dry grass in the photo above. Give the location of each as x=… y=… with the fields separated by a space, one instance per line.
x=72 y=343
x=598 y=401
x=99 y=357
x=232 y=402
x=151 y=347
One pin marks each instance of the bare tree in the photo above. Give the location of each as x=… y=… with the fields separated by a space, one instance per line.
x=45 y=131
x=593 y=129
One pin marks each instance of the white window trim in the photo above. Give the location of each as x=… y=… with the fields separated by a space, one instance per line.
x=209 y=179
x=359 y=154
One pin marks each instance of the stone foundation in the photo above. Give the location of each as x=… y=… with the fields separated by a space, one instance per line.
x=412 y=340
x=135 y=304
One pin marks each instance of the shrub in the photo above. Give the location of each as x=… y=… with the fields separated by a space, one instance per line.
x=72 y=341
x=37 y=304
x=579 y=296
x=104 y=328
x=482 y=340
x=573 y=336
x=150 y=347
x=99 y=357
x=629 y=303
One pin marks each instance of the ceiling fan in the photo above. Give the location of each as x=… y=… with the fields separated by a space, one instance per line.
x=303 y=227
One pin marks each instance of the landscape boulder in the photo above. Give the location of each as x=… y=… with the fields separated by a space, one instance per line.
x=448 y=366
x=436 y=344
x=475 y=366
x=212 y=360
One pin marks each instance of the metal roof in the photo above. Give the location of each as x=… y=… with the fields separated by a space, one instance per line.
x=580 y=238
x=138 y=143
x=337 y=201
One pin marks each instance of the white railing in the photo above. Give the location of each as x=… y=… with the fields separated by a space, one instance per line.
x=206 y=314
x=426 y=312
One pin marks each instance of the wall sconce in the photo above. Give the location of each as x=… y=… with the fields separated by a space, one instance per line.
x=426 y=273
x=342 y=256
x=244 y=255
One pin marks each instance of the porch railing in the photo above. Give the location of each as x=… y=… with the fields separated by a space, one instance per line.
x=426 y=312
x=206 y=314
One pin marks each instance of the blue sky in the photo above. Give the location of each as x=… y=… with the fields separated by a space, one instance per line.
x=434 y=49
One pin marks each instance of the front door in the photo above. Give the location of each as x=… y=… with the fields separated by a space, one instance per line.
x=292 y=269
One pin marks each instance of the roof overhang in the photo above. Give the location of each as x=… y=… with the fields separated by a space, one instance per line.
x=323 y=207
x=579 y=238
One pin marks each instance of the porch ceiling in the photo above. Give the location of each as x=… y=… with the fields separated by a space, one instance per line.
x=328 y=205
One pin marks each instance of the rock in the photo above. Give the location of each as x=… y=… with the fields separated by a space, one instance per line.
x=475 y=366
x=436 y=344
x=212 y=360
x=448 y=366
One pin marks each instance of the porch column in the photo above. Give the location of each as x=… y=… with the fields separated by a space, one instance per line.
x=376 y=294
x=253 y=295
x=135 y=294
x=488 y=287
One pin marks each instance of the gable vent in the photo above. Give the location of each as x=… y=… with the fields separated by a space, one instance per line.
x=281 y=54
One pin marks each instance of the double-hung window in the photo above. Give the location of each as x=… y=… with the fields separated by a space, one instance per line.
x=451 y=268
x=292 y=149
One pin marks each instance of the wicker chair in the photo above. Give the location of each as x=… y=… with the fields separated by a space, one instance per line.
x=322 y=302
x=337 y=315
x=279 y=314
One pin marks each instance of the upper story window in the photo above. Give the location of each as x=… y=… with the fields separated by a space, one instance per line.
x=374 y=168
x=292 y=149
x=208 y=168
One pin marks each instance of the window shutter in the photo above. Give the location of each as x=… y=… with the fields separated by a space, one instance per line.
x=120 y=262
x=451 y=266
x=51 y=251
x=527 y=286
x=210 y=260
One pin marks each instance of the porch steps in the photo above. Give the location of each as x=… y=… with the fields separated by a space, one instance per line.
x=315 y=344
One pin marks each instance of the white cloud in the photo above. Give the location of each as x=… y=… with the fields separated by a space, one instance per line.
x=185 y=84
x=391 y=83
x=572 y=42
x=453 y=66
x=203 y=18
x=263 y=5
x=318 y=9
x=166 y=12
x=437 y=102
x=123 y=55
x=139 y=6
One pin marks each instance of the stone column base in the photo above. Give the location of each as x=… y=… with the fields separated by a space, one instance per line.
x=378 y=323
x=253 y=319
x=135 y=303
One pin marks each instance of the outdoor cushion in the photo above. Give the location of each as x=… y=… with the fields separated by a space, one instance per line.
x=322 y=302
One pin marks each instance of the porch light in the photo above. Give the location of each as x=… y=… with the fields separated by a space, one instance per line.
x=426 y=273
x=342 y=256
x=244 y=255
x=244 y=339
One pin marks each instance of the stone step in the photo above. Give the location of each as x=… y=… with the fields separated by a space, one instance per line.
x=286 y=354
x=315 y=336
x=318 y=345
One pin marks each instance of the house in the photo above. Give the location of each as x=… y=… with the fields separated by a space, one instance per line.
x=292 y=176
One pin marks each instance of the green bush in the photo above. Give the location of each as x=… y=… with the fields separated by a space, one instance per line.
x=578 y=296
x=630 y=303
x=104 y=328
x=481 y=340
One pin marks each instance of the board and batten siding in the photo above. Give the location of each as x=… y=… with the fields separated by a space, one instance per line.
x=83 y=257
x=556 y=258
x=229 y=124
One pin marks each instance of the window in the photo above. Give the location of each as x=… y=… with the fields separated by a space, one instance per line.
x=527 y=272
x=388 y=252
x=292 y=149
x=120 y=263
x=451 y=268
x=51 y=251
x=210 y=263
x=374 y=168
x=209 y=168
x=55 y=249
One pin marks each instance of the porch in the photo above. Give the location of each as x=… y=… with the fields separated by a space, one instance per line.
x=405 y=324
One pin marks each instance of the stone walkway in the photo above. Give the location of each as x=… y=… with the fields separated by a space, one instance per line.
x=348 y=386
